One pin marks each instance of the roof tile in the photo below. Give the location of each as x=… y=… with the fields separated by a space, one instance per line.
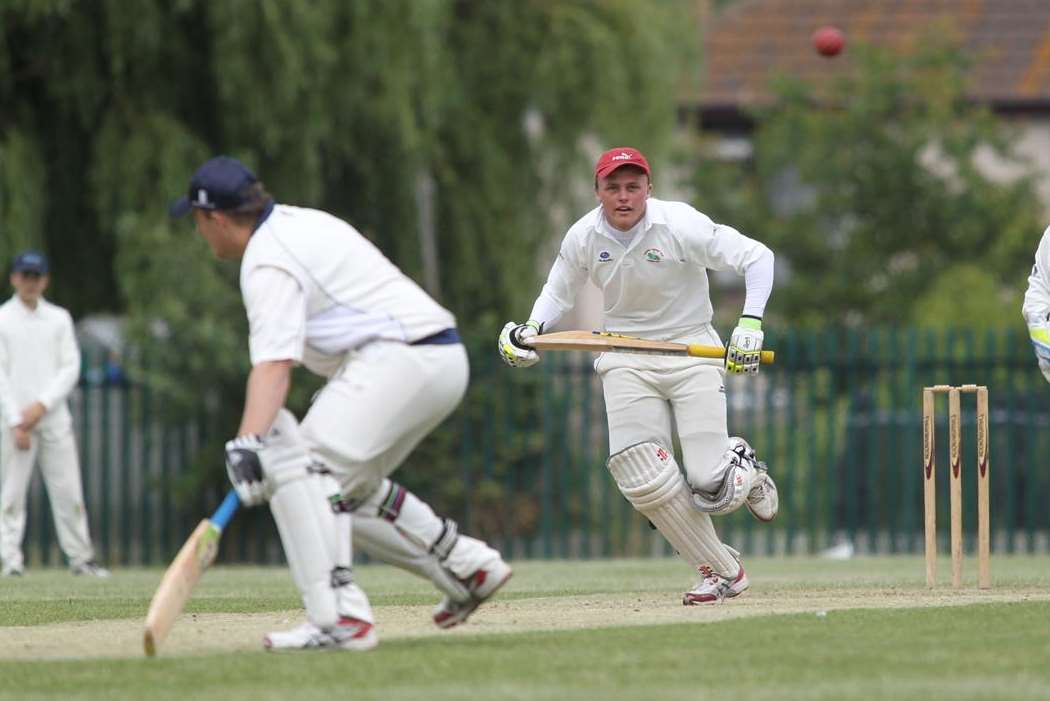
x=755 y=39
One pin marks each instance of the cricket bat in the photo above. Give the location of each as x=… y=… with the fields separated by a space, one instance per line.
x=603 y=342
x=185 y=570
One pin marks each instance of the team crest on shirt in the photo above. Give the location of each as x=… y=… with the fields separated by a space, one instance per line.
x=604 y=257
x=654 y=255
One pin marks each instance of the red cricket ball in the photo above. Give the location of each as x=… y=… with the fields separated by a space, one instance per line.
x=829 y=41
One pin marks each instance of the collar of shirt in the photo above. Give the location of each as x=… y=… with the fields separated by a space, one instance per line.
x=628 y=239
x=26 y=310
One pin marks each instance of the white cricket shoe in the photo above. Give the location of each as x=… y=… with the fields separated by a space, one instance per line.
x=347 y=634
x=89 y=569
x=763 y=501
x=714 y=588
x=482 y=585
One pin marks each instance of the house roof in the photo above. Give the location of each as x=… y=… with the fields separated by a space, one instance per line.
x=754 y=39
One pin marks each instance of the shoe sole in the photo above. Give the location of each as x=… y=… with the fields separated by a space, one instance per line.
x=368 y=642
x=687 y=601
x=460 y=616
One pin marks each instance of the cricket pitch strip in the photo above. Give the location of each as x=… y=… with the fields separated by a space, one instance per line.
x=208 y=634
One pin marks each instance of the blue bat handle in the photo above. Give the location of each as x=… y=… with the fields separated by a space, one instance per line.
x=226 y=510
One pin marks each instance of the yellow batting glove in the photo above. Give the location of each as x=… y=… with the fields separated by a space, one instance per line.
x=1040 y=336
x=745 y=346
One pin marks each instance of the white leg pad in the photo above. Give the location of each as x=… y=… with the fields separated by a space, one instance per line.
x=424 y=530
x=350 y=599
x=286 y=456
x=649 y=478
x=316 y=541
x=412 y=517
x=382 y=540
x=470 y=555
x=295 y=510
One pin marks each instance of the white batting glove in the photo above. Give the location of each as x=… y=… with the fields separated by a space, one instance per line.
x=511 y=347
x=1040 y=337
x=745 y=346
x=244 y=469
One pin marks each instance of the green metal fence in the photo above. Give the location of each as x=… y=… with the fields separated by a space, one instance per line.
x=521 y=463
x=837 y=418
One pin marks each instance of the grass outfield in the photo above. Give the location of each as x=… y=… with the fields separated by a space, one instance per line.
x=808 y=629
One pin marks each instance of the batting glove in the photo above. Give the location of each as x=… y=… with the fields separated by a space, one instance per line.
x=512 y=347
x=245 y=469
x=1040 y=336
x=745 y=346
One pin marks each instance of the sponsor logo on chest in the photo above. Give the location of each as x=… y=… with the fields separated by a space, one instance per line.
x=604 y=257
x=654 y=255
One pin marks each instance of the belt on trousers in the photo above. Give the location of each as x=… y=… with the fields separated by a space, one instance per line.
x=441 y=338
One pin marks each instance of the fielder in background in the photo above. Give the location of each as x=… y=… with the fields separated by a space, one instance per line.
x=649 y=257
x=1036 y=307
x=39 y=367
x=318 y=293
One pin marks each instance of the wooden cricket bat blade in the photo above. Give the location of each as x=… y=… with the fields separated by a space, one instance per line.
x=606 y=342
x=182 y=575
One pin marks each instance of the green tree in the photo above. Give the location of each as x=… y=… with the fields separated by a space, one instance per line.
x=869 y=189
x=104 y=113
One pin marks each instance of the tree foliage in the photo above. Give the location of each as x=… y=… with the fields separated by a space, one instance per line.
x=872 y=193
x=105 y=110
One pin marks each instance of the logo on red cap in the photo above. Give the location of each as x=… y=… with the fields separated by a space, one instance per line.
x=617 y=157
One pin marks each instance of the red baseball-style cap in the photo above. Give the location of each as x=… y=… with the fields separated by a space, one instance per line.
x=620 y=156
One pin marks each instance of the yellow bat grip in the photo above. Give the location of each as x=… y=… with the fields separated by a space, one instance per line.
x=698 y=350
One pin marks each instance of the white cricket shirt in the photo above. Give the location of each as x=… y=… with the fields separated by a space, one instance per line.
x=39 y=360
x=1036 y=307
x=656 y=286
x=314 y=288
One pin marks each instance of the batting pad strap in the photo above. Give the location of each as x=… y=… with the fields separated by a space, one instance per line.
x=341 y=576
x=390 y=507
x=340 y=504
x=447 y=540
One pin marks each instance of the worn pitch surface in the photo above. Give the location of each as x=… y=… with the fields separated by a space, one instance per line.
x=211 y=633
